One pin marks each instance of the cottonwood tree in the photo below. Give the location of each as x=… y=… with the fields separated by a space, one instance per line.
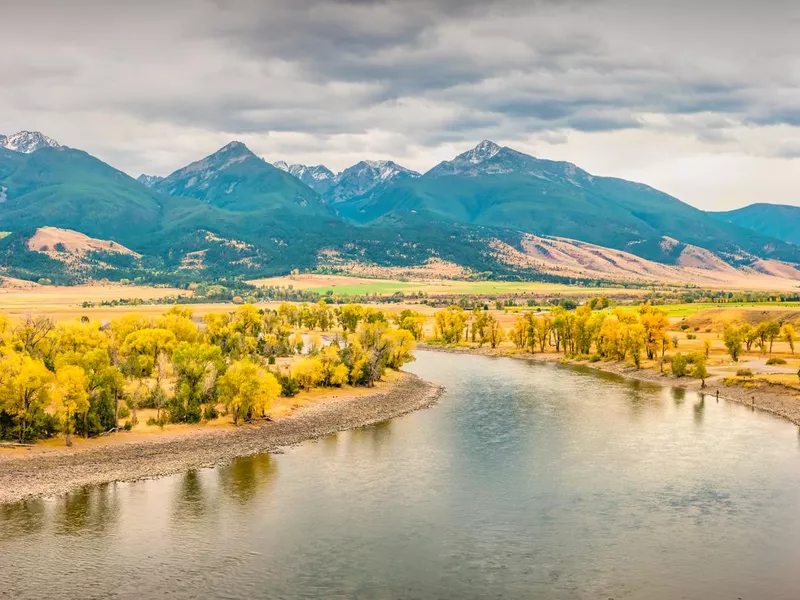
x=71 y=398
x=24 y=389
x=246 y=388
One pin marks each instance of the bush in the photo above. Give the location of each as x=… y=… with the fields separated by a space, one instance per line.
x=691 y=336
x=744 y=373
x=289 y=386
x=127 y=426
x=271 y=360
x=684 y=327
x=679 y=365
x=594 y=358
x=776 y=361
x=124 y=411
x=210 y=413
x=161 y=421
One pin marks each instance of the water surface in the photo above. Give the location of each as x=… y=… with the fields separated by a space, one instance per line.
x=526 y=481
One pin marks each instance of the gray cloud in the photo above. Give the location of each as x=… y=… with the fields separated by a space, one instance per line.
x=143 y=82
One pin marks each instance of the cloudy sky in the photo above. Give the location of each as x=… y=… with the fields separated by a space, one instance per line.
x=700 y=98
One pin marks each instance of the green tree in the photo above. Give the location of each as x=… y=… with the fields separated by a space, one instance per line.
x=732 y=336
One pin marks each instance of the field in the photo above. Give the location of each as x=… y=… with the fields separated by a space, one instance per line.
x=340 y=284
x=687 y=310
x=66 y=301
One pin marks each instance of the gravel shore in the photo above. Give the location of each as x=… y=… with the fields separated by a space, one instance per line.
x=24 y=476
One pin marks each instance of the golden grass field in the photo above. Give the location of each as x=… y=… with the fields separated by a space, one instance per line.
x=352 y=285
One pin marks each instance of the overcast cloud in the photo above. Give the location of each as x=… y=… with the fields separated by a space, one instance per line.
x=698 y=98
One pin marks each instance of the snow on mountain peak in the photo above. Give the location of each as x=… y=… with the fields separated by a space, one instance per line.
x=27 y=142
x=483 y=151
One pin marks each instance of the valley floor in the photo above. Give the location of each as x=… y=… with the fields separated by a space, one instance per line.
x=47 y=469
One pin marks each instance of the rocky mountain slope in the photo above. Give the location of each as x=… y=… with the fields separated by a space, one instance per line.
x=27 y=142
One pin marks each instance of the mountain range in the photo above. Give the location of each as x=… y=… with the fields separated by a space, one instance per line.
x=490 y=211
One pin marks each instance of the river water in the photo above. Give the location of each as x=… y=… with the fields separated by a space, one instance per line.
x=525 y=481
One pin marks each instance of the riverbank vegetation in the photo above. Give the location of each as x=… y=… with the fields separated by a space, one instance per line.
x=87 y=378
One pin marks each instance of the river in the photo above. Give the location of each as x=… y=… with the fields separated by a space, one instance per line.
x=525 y=481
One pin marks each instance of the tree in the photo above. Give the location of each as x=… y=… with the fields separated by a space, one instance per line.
x=732 y=336
x=71 y=398
x=349 y=317
x=411 y=321
x=308 y=372
x=449 y=324
x=24 y=389
x=748 y=335
x=680 y=364
x=789 y=335
x=494 y=332
x=635 y=340
x=197 y=367
x=706 y=347
x=247 y=388
x=772 y=330
x=700 y=372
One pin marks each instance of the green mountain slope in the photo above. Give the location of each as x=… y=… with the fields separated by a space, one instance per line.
x=69 y=188
x=235 y=179
x=499 y=187
x=779 y=221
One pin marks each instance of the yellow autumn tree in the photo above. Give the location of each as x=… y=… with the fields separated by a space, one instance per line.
x=24 y=389
x=71 y=398
x=246 y=389
x=308 y=372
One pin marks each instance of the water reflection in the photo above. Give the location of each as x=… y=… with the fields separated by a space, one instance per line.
x=94 y=508
x=376 y=435
x=246 y=477
x=699 y=409
x=22 y=518
x=192 y=502
x=679 y=395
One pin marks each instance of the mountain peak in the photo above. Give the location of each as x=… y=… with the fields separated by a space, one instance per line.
x=235 y=148
x=149 y=180
x=483 y=151
x=27 y=142
x=318 y=177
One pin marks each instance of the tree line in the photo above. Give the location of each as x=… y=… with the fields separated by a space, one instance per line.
x=83 y=376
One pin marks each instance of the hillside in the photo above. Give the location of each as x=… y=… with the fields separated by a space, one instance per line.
x=62 y=187
x=491 y=212
x=500 y=187
x=779 y=221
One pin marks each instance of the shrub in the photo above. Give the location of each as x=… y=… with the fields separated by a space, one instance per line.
x=691 y=336
x=127 y=426
x=271 y=360
x=161 y=421
x=594 y=358
x=290 y=387
x=210 y=413
x=679 y=365
x=124 y=411
x=708 y=329
x=776 y=361
x=744 y=373
x=684 y=327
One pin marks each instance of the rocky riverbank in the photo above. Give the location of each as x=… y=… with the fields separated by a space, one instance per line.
x=36 y=474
